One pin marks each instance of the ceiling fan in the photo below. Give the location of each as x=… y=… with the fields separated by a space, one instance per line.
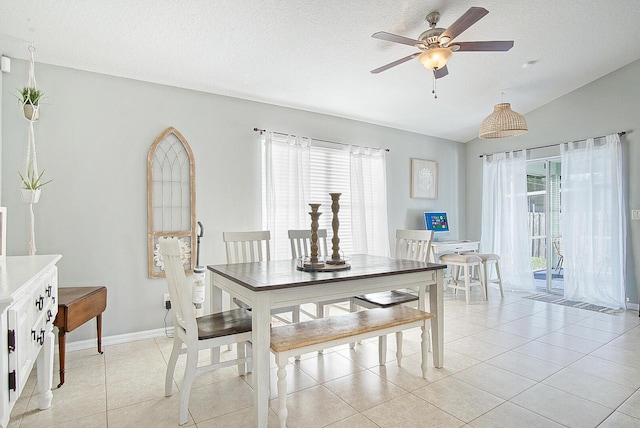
x=436 y=44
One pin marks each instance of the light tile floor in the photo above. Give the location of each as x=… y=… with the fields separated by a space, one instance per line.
x=509 y=362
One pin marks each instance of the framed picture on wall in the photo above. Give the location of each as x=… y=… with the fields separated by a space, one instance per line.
x=424 y=179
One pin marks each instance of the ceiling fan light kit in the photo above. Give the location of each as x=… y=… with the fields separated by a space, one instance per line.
x=435 y=58
x=503 y=123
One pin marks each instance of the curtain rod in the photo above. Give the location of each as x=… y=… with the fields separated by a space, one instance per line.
x=260 y=131
x=620 y=134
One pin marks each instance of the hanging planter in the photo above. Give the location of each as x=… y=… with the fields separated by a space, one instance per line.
x=30 y=102
x=32 y=185
x=31 y=112
x=32 y=182
x=30 y=196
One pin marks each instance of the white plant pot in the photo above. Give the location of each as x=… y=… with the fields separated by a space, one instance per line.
x=31 y=112
x=30 y=196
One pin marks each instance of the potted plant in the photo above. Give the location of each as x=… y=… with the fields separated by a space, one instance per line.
x=30 y=97
x=31 y=185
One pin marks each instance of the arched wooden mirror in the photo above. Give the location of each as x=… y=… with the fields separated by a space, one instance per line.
x=171 y=198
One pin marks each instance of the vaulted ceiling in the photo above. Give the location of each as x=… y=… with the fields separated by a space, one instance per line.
x=317 y=55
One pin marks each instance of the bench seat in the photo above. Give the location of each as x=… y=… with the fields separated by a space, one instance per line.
x=314 y=335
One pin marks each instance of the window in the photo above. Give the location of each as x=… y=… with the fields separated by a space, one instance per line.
x=297 y=171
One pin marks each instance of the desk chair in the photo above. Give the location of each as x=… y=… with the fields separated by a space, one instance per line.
x=245 y=247
x=410 y=245
x=209 y=331
x=300 y=241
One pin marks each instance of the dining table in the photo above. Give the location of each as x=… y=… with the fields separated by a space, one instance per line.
x=273 y=284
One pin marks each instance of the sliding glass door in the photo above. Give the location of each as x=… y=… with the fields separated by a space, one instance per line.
x=544 y=201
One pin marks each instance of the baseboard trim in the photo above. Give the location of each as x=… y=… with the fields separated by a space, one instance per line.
x=120 y=338
x=633 y=306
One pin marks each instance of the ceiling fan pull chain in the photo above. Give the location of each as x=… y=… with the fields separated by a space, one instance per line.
x=433 y=91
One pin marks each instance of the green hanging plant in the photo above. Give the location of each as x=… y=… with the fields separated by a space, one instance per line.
x=31 y=181
x=31 y=95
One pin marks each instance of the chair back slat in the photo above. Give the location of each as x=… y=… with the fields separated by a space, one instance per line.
x=300 y=240
x=245 y=247
x=179 y=287
x=413 y=244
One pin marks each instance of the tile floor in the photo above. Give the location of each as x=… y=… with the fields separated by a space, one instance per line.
x=509 y=362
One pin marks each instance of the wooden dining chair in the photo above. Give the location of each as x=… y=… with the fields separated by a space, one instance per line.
x=253 y=246
x=300 y=240
x=410 y=245
x=209 y=331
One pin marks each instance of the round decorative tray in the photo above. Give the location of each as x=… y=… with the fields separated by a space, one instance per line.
x=322 y=265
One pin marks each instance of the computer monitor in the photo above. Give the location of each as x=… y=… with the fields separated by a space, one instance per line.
x=437 y=222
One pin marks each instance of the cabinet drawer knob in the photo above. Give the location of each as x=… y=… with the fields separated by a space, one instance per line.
x=40 y=303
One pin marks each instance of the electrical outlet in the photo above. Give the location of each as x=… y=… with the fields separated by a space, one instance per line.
x=635 y=214
x=166 y=301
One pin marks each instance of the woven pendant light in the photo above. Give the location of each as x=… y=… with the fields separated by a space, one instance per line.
x=503 y=122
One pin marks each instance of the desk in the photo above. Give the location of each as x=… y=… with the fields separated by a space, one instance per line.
x=77 y=305
x=276 y=284
x=444 y=247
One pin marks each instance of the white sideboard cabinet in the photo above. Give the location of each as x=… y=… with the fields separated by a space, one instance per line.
x=28 y=307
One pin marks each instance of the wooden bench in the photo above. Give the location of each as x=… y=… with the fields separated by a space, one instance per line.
x=311 y=336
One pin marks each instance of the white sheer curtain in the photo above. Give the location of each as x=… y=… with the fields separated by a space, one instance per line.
x=369 y=222
x=285 y=187
x=504 y=218
x=593 y=222
x=297 y=171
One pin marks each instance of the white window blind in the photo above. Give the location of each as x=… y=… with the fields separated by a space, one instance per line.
x=329 y=173
x=297 y=171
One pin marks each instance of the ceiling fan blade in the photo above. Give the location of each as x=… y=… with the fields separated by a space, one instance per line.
x=441 y=72
x=394 y=63
x=383 y=35
x=469 y=18
x=502 y=46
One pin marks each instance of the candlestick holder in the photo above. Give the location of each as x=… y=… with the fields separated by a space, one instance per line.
x=335 y=225
x=314 y=262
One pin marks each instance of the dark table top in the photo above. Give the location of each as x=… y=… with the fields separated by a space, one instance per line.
x=277 y=274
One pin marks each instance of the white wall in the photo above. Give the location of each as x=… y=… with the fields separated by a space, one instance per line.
x=92 y=139
x=1 y=96
x=608 y=105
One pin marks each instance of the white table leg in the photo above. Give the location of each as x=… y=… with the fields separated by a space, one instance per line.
x=436 y=306
x=44 y=365
x=261 y=336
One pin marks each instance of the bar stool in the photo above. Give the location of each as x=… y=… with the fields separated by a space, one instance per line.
x=489 y=260
x=463 y=264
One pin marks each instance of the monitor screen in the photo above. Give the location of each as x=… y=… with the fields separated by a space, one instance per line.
x=437 y=222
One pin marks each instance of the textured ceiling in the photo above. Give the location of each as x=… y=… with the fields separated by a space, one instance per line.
x=316 y=55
